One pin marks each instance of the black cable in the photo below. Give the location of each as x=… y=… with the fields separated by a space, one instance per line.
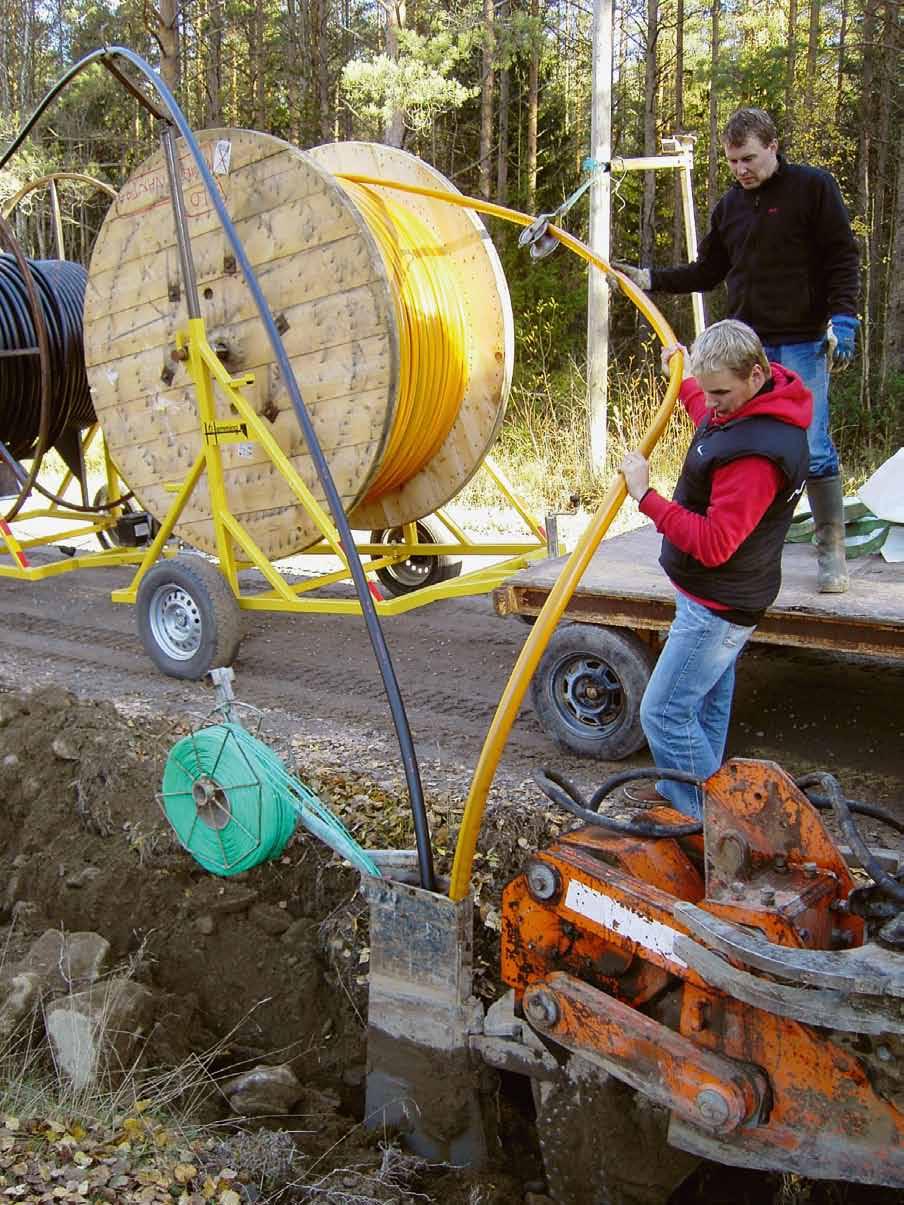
x=107 y=56
x=45 y=376
x=22 y=477
x=47 y=100
x=566 y=794
x=60 y=288
x=857 y=806
x=842 y=812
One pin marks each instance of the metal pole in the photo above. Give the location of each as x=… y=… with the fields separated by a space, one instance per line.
x=685 y=175
x=187 y=264
x=597 y=287
x=57 y=218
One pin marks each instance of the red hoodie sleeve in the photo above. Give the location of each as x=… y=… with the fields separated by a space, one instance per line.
x=741 y=493
x=692 y=399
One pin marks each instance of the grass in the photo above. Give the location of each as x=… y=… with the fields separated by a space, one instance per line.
x=542 y=447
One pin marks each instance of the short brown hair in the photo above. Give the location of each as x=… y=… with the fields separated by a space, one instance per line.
x=729 y=346
x=746 y=122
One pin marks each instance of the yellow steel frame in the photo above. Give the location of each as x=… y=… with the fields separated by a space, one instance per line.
x=236 y=550
x=17 y=546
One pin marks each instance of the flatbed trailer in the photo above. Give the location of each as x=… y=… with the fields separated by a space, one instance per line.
x=588 y=685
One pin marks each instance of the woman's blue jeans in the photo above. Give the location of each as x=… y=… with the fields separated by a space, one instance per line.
x=687 y=704
x=810 y=362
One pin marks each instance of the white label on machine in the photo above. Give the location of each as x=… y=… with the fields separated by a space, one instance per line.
x=246 y=451
x=605 y=911
x=222 y=154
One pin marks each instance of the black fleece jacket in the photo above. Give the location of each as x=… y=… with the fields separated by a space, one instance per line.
x=786 y=252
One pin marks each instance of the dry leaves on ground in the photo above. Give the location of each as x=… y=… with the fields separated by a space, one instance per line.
x=134 y=1159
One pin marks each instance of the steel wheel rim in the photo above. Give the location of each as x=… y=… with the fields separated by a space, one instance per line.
x=175 y=621
x=589 y=694
x=414 y=571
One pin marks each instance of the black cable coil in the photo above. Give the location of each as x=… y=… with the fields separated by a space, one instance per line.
x=61 y=289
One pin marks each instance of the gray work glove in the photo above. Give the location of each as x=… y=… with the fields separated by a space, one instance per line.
x=638 y=276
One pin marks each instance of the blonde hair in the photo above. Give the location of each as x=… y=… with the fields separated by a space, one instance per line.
x=729 y=345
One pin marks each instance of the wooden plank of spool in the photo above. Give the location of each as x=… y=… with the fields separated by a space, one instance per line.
x=318 y=265
x=481 y=285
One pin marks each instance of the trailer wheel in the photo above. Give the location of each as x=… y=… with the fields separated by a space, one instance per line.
x=188 y=618
x=417 y=571
x=587 y=690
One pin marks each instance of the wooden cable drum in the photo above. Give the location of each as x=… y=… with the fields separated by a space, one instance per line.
x=367 y=361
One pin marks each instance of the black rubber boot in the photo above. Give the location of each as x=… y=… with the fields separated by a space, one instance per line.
x=827 y=504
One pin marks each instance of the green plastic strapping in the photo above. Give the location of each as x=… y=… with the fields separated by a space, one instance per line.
x=233 y=805
x=863 y=532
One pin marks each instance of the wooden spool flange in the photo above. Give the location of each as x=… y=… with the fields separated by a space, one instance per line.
x=324 y=279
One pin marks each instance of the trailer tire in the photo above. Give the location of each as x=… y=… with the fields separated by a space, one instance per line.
x=588 y=687
x=417 y=571
x=188 y=618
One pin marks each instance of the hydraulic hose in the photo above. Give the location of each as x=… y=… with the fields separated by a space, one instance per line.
x=175 y=116
x=565 y=793
x=842 y=813
x=856 y=806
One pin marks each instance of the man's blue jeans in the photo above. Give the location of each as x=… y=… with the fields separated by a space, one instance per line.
x=687 y=704
x=810 y=362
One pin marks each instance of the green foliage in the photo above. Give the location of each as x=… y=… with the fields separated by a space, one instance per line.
x=419 y=83
x=31 y=162
x=549 y=303
x=865 y=437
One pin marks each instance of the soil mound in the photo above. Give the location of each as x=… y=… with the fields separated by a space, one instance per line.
x=84 y=845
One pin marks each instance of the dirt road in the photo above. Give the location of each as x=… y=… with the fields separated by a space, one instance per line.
x=315 y=675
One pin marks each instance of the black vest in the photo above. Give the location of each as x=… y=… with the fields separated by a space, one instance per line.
x=748 y=582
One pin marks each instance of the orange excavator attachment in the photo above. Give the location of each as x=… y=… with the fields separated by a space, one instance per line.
x=730 y=979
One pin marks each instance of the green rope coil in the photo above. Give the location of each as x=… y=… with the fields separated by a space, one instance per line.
x=232 y=804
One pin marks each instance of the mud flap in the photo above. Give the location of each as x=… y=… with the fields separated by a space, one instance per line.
x=421 y=1078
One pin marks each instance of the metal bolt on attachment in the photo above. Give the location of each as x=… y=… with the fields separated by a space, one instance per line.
x=712 y=1106
x=737 y=889
x=543 y=880
x=767 y=895
x=542 y=1009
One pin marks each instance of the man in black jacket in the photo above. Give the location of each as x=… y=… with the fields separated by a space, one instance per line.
x=781 y=240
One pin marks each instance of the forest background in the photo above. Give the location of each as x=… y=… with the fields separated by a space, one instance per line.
x=496 y=94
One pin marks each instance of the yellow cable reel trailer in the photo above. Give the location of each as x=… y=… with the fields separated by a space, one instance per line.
x=395 y=314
